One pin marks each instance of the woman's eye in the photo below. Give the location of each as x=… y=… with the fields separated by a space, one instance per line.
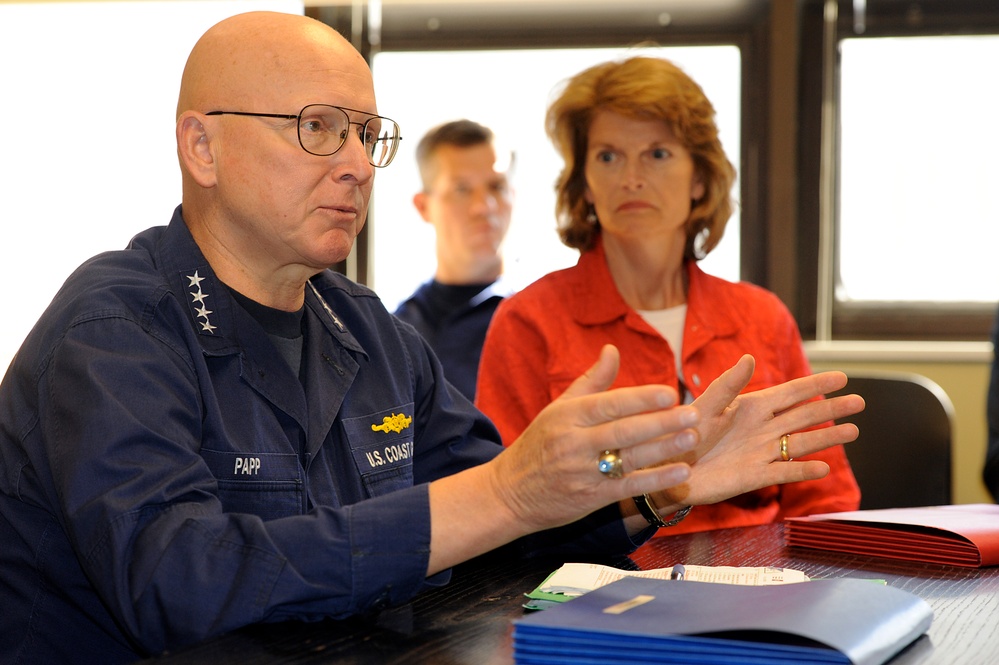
x=605 y=157
x=660 y=153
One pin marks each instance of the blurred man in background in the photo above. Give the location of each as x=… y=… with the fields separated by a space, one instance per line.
x=466 y=196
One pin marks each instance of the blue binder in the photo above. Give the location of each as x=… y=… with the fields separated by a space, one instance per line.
x=636 y=620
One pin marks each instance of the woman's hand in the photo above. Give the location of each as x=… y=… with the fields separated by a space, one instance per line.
x=739 y=449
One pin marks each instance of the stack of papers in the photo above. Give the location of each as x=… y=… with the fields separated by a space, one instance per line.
x=640 y=620
x=575 y=579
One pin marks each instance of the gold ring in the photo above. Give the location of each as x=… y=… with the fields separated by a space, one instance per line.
x=610 y=464
x=783 y=448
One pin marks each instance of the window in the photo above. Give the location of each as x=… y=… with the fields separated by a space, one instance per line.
x=508 y=90
x=899 y=176
x=918 y=170
x=73 y=184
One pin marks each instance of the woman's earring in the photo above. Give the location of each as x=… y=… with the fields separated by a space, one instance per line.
x=591 y=216
x=700 y=240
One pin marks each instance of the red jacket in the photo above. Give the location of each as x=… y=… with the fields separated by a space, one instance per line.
x=542 y=338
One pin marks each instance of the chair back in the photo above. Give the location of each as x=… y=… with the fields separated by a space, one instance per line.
x=902 y=457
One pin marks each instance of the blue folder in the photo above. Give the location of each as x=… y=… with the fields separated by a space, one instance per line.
x=637 y=620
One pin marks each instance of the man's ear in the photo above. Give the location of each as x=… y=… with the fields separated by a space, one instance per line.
x=194 y=150
x=420 y=203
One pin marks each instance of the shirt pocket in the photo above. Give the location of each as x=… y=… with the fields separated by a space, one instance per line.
x=381 y=445
x=268 y=485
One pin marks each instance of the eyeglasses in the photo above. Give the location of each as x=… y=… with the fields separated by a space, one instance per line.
x=323 y=129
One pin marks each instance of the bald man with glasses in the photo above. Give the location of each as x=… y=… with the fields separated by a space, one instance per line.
x=211 y=428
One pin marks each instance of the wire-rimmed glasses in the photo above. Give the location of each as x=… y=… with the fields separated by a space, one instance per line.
x=323 y=129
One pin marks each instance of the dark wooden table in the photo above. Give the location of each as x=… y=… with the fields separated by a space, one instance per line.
x=469 y=622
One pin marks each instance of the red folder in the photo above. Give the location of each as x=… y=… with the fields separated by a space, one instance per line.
x=961 y=535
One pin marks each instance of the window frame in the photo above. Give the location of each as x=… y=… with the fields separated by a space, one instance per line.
x=781 y=195
x=909 y=321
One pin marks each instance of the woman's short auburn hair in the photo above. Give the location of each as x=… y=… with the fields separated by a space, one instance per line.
x=644 y=88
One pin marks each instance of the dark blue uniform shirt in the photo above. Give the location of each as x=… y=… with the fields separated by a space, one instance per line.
x=165 y=476
x=454 y=320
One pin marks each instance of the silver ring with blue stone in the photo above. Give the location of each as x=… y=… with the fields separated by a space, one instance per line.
x=610 y=464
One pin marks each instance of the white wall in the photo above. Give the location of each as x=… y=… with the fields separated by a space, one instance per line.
x=88 y=92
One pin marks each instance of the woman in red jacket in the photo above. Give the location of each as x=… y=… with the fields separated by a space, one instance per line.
x=644 y=194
